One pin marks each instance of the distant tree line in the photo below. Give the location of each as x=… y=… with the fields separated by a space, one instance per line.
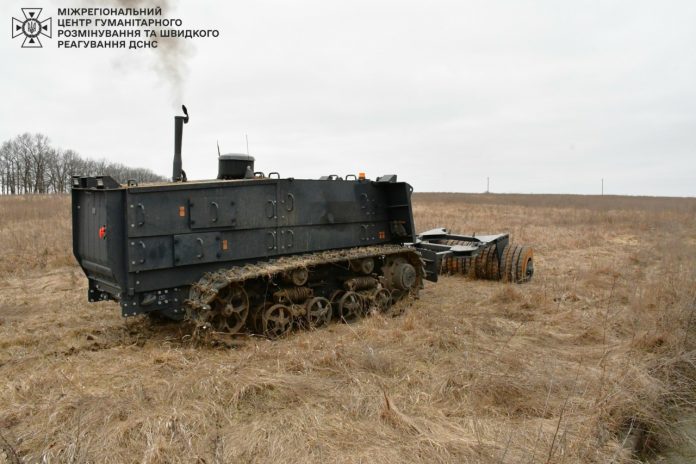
x=29 y=164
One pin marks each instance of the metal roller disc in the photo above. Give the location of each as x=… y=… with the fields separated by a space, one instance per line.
x=447 y=265
x=481 y=261
x=488 y=263
x=525 y=265
x=513 y=263
x=469 y=267
x=477 y=263
x=504 y=275
x=509 y=263
x=454 y=265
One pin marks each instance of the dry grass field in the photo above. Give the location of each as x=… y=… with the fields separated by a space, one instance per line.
x=593 y=359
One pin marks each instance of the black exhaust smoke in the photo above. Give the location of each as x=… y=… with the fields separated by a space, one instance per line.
x=178 y=174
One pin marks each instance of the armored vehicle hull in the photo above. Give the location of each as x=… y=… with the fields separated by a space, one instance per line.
x=254 y=252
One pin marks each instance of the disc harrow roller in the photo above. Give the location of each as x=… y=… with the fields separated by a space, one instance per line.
x=516 y=264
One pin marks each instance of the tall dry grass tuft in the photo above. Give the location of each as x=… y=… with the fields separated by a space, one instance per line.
x=591 y=362
x=35 y=232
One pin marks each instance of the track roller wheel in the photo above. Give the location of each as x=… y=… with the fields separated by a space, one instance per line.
x=299 y=276
x=277 y=321
x=382 y=299
x=318 y=311
x=255 y=321
x=363 y=266
x=350 y=306
x=230 y=309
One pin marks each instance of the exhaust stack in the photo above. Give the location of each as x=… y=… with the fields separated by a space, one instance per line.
x=178 y=174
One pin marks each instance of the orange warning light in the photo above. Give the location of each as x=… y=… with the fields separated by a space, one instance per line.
x=182 y=211
x=382 y=235
x=224 y=244
x=361 y=175
x=102 y=232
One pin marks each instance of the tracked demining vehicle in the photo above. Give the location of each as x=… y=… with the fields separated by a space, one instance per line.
x=259 y=253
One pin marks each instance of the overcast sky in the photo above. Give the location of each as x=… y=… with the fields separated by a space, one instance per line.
x=542 y=96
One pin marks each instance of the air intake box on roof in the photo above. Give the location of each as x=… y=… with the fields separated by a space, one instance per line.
x=235 y=166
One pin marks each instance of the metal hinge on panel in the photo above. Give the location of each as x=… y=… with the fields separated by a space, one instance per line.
x=287 y=238
x=271 y=240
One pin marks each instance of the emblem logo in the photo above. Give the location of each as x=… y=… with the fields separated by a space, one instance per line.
x=31 y=27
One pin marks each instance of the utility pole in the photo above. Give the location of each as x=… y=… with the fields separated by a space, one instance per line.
x=602 y=186
x=247 y=142
x=488 y=185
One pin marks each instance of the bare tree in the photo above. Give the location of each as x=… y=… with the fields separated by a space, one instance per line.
x=29 y=164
